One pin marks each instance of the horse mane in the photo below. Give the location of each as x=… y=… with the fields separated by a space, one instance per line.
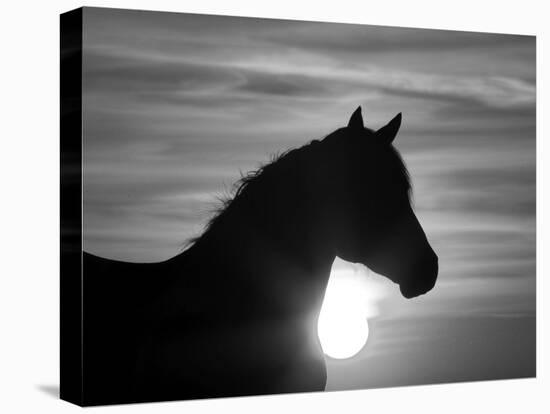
x=252 y=180
x=248 y=183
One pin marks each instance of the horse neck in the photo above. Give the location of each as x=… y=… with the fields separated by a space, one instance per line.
x=274 y=236
x=284 y=220
x=272 y=248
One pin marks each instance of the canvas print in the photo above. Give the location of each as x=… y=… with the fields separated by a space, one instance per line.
x=259 y=206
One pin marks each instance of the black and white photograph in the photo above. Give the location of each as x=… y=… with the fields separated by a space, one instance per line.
x=274 y=207
x=264 y=206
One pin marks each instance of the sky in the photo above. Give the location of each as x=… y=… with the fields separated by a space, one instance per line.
x=177 y=106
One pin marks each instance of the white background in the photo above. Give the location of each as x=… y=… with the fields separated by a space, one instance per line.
x=29 y=215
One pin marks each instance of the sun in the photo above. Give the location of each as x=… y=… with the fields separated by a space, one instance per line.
x=343 y=327
x=342 y=335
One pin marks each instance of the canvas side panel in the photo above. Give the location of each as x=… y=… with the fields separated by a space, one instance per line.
x=71 y=381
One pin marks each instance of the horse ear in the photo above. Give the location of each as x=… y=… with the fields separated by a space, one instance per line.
x=389 y=131
x=356 y=120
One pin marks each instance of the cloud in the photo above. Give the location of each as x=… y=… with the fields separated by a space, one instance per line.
x=366 y=39
x=108 y=72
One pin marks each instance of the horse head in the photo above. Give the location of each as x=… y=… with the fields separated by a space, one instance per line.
x=367 y=209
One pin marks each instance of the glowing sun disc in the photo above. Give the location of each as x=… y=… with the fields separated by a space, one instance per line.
x=342 y=327
x=343 y=336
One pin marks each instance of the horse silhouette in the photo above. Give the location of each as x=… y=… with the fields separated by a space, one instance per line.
x=236 y=313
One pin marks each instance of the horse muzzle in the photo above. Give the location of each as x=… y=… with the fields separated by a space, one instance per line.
x=423 y=279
